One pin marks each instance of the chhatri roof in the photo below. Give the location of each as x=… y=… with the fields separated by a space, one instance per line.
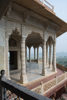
x=42 y=10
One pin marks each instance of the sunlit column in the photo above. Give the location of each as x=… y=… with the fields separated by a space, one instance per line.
x=26 y=54
x=44 y=59
x=47 y=54
x=54 y=56
x=19 y=58
x=7 y=56
x=23 y=77
x=29 y=54
x=34 y=52
x=50 y=55
x=37 y=54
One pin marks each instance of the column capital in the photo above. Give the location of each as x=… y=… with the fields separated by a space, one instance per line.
x=37 y=46
x=23 y=38
x=7 y=36
x=47 y=42
x=34 y=47
x=54 y=43
x=44 y=42
x=29 y=47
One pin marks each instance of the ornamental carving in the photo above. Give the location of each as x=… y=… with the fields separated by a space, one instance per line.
x=38 y=90
x=12 y=42
x=49 y=85
x=11 y=26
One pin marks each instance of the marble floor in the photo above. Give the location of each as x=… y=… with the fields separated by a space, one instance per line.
x=34 y=71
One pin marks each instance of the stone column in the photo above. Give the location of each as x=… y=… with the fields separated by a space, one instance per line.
x=29 y=54
x=7 y=56
x=44 y=59
x=42 y=55
x=19 y=58
x=34 y=53
x=26 y=54
x=54 y=56
x=50 y=55
x=47 y=54
x=37 y=54
x=23 y=77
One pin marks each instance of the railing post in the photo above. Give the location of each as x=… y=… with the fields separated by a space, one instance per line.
x=2 y=89
x=65 y=74
x=41 y=88
x=56 y=80
x=53 y=8
x=43 y=2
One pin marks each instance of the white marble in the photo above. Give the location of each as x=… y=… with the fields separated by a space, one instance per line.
x=34 y=71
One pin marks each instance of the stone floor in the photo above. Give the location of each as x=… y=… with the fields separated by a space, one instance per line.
x=44 y=79
x=34 y=71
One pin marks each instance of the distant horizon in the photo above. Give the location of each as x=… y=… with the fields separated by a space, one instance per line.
x=60 y=54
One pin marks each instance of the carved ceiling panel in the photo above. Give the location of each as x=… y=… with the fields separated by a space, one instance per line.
x=34 y=39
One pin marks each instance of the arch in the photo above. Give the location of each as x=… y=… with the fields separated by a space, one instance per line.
x=50 y=38
x=14 y=32
x=14 y=50
x=34 y=39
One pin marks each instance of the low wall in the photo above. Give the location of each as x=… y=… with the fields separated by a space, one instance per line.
x=61 y=67
x=51 y=87
x=33 y=60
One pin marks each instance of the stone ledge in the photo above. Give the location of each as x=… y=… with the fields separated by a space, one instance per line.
x=61 y=67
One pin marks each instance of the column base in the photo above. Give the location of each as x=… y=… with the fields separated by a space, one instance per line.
x=47 y=64
x=23 y=79
x=29 y=61
x=44 y=72
x=50 y=66
x=8 y=77
x=54 y=70
x=37 y=61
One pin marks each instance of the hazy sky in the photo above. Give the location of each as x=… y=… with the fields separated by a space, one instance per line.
x=60 y=8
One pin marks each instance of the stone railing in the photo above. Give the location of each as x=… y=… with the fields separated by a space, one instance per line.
x=60 y=78
x=10 y=90
x=61 y=67
x=44 y=2
x=45 y=87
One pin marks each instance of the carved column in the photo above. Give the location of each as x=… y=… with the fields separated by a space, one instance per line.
x=19 y=58
x=50 y=55
x=26 y=54
x=37 y=54
x=7 y=56
x=23 y=77
x=29 y=54
x=47 y=54
x=54 y=56
x=44 y=59
x=34 y=53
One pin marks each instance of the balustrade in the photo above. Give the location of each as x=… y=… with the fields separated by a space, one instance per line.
x=44 y=2
x=10 y=90
x=44 y=87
